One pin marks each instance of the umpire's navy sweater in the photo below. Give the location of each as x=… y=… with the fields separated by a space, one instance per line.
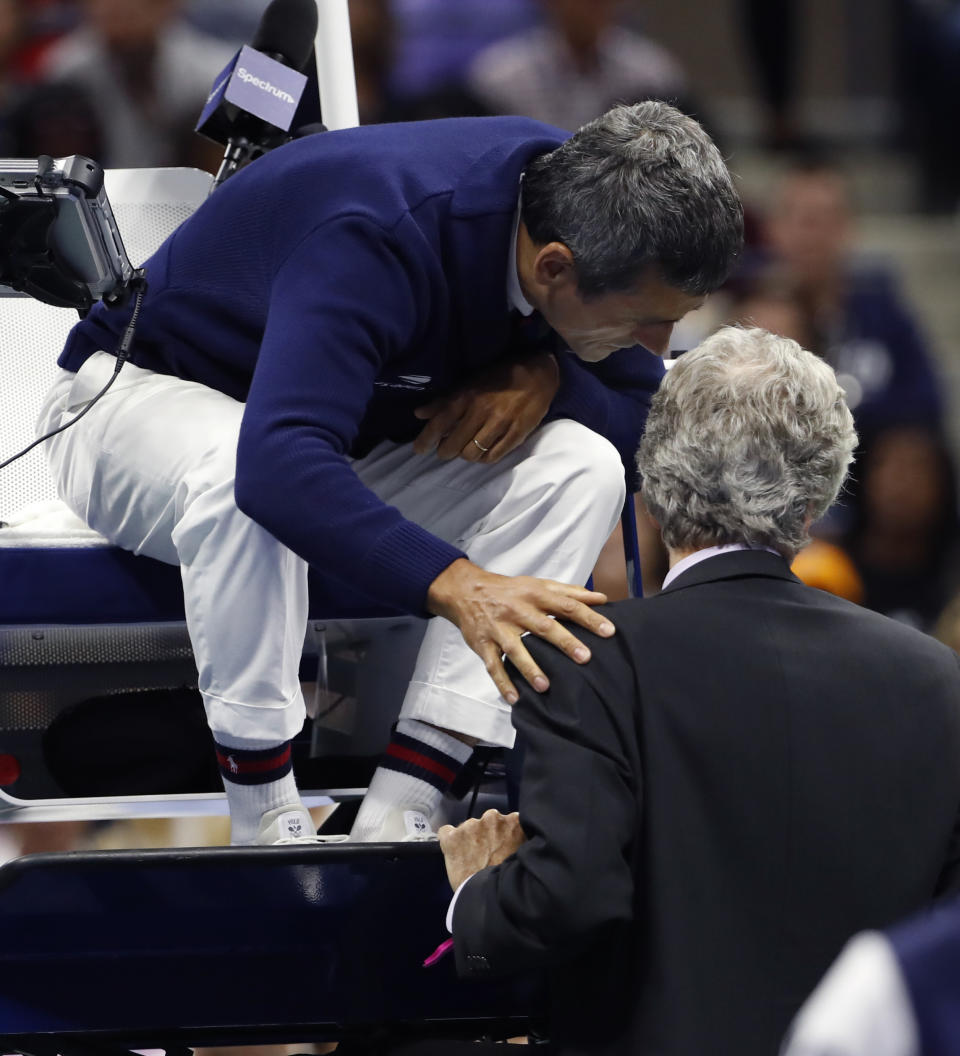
x=335 y=285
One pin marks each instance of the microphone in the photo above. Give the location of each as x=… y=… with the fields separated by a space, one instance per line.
x=256 y=95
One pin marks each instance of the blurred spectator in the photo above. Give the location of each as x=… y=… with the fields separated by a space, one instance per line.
x=860 y=322
x=37 y=119
x=929 y=41
x=55 y=119
x=145 y=73
x=373 y=34
x=770 y=33
x=575 y=66
x=233 y=20
x=770 y=302
x=42 y=22
x=437 y=39
x=11 y=37
x=905 y=539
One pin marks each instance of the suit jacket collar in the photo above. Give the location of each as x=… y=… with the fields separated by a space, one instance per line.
x=733 y=565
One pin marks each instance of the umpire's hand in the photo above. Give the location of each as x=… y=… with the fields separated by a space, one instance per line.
x=492 y=415
x=493 y=612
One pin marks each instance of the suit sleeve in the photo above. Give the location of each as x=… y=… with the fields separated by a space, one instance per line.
x=579 y=808
x=611 y=397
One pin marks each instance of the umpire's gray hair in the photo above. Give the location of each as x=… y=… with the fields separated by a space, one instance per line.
x=640 y=187
x=748 y=440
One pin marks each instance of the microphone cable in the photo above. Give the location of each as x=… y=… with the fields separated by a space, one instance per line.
x=138 y=284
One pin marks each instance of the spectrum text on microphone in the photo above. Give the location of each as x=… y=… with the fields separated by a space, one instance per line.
x=266 y=86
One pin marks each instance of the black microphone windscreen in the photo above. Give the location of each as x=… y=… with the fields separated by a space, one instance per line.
x=288 y=28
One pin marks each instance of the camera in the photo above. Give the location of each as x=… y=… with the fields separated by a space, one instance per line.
x=59 y=240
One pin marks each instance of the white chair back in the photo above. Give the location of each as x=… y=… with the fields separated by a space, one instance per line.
x=149 y=204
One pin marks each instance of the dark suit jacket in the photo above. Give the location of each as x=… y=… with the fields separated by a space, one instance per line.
x=749 y=772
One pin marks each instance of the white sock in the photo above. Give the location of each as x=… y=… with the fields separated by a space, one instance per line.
x=248 y=804
x=418 y=767
x=249 y=797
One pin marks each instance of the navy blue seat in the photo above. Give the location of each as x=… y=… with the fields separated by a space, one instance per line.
x=150 y=949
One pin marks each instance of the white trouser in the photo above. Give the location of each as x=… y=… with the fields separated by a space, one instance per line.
x=152 y=465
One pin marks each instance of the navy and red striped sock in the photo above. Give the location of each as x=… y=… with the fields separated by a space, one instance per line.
x=416 y=758
x=419 y=766
x=254 y=766
x=256 y=780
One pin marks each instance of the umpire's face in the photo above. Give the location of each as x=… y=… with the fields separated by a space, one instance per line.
x=594 y=327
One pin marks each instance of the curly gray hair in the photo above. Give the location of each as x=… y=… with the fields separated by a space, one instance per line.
x=748 y=440
x=640 y=187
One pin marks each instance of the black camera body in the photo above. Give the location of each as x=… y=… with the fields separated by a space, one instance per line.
x=59 y=240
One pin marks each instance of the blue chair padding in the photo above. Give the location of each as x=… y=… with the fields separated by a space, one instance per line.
x=86 y=586
x=107 y=585
x=297 y=943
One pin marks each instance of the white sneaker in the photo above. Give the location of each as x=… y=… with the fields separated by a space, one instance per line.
x=290 y=824
x=402 y=826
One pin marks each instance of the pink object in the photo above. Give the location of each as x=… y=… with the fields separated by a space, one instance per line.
x=444 y=948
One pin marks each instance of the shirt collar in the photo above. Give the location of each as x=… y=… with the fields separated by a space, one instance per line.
x=701 y=555
x=515 y=298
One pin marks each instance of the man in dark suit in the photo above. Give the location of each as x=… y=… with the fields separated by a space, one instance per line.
x=749 y=772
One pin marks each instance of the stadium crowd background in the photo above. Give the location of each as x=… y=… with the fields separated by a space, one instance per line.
x=839 y=119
